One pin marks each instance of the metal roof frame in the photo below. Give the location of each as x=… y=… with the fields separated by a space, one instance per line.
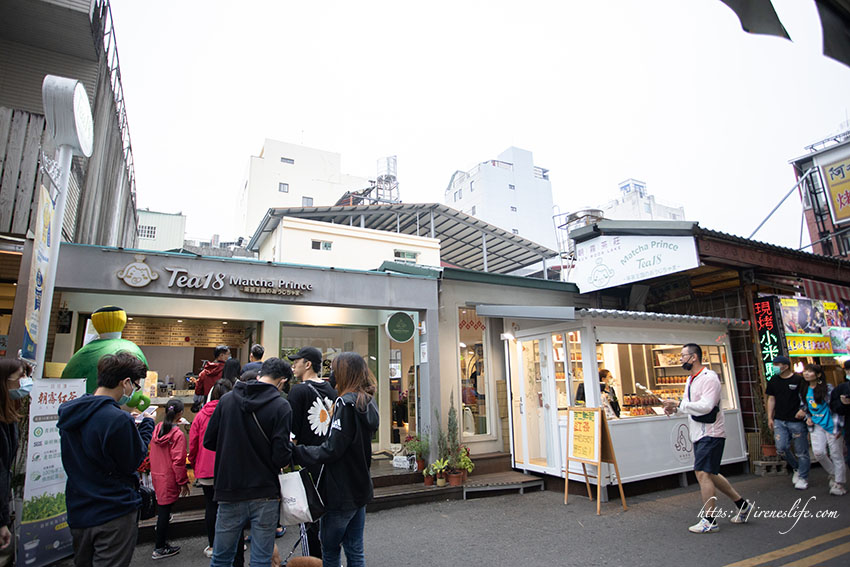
x=466 y=241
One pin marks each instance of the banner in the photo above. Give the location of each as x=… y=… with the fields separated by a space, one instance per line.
x=836 y=176
x=769 y=333
x=44 y=534
x=38 y=271
x=609 y=261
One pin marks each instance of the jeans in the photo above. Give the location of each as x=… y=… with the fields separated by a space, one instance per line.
x=832 y=462
x=262 y=514
x=787 y=432
x=343 y=527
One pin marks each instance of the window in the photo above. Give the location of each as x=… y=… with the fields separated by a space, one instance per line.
x=455 y=196
x=406 y=256
x=471 y=186
x=647 y=207
x=474 y=378
x=460 y=193
x=287 y=160
x=322 y=245
x=515 y=231
x=472 y=211
x=513 y=209
x=283 y=187
x=147 y=231
x=306 y=201
x=512 y=187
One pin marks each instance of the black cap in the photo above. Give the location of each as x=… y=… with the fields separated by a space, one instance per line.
x=310 y=354
x=782 y=360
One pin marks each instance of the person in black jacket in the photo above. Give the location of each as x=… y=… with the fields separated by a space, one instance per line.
x=345 y=483
x=839 y=403
x=249 y=431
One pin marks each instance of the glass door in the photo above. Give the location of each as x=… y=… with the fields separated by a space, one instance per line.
x=538 y=407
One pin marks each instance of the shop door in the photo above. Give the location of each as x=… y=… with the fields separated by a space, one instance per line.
x=538 y=408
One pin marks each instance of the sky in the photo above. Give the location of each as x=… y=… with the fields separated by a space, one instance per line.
x=672 y=93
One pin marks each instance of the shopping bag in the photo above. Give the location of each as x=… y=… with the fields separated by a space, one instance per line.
x=299 y=500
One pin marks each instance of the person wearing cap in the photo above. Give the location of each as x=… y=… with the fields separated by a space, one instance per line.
x=311 y=400
x=786 y=417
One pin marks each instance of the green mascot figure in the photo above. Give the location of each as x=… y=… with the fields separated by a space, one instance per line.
x=108 y=322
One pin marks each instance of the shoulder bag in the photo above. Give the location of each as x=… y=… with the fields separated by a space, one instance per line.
x=300 y=502
x=709 y=417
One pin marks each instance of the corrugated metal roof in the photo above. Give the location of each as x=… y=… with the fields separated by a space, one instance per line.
x=460 y=235
x=737 y=324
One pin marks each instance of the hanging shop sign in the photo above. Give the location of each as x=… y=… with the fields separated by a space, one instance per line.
x=38 y=272
x=836 y=176
x=400 y=327
x=45 y=537
x=769 y=332
x=609 y=261
x=809 y=345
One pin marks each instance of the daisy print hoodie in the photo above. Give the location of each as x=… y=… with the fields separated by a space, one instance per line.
x=311 y=403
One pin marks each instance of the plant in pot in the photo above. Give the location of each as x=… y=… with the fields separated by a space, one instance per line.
x=453 y=446
x=440 y=466
x=419 y=446
x=428 y=473
x=465 y=463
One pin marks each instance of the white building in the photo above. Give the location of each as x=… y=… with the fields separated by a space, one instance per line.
x=161 y=231
x=315 y=243
x=288 y=175
x=509 y=192
x=635 y=203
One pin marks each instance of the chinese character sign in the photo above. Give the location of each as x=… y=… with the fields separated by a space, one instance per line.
x=45 y=537
x=769 y=333
x=584 y=435
x=836 y=177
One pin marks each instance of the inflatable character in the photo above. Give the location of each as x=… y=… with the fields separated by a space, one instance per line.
x=108 y=322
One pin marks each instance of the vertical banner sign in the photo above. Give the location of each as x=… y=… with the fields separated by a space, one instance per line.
x=837 y=178
x=45 y=537
x=769 y=331
x=38 y=271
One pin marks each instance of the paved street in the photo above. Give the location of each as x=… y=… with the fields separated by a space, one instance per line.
x=537 y=529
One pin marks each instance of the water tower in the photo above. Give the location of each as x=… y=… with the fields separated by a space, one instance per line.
x=386 y=187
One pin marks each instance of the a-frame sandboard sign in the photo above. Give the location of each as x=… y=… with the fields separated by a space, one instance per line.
x=589 y=443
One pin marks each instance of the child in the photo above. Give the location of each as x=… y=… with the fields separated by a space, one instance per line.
x=168 y=473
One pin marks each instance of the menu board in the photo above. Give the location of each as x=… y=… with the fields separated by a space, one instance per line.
x=45 y=536
x=583 y=435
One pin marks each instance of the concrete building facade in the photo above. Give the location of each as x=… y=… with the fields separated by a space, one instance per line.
x=161 y=231
x=635 y=203
x=509 y=192
x=289 y=175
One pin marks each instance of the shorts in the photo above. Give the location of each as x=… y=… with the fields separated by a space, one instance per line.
x=708 y=452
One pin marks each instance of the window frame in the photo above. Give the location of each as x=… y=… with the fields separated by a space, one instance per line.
x=282 y=187
x=286 y=160
x=147 y=234
x=304 y=201
x=492 y=433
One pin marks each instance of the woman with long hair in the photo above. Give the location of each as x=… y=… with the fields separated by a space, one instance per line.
x=232 y=370
x=344 y=482
x=11 y=372
x=824 y=427
x=168 y=473
x=204 y=460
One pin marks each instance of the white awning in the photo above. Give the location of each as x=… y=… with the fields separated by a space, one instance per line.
x=527 y=312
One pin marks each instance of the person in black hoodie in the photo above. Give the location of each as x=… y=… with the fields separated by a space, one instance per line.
x=249 y=432
x=346 y=453
x=311 y=402
x=102 y=447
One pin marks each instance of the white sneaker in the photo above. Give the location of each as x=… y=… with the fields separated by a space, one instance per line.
x=743 y=515
x=704 y=527
x=795 y=477
x=801 y=484
x=831 y=481
x=208 y=551
x=837 y=490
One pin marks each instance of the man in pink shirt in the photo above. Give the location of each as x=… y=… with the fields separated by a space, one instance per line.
x=705 y=421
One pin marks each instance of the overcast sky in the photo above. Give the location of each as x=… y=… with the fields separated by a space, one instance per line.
x=670 y=92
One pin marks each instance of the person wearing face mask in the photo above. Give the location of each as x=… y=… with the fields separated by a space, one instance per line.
x=701 y=403
x=102 y=446
x=12 y=372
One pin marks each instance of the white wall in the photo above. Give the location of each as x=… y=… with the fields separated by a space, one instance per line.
x=170 y=361
x=352 y=247
x=170 y=230
x=315 y=173
x=487 y=189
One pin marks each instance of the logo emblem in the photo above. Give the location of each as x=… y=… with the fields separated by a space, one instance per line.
x=137 y=274
x=680 y=442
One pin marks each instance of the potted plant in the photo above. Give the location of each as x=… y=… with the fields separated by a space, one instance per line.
x=440 y=466
x=419 y=446
x=428 y=473
x=453 y=446
x=465 y=462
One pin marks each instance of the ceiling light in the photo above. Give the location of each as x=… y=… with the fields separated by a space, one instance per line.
x=179 y=320
x=462 y=345
x=224 y=322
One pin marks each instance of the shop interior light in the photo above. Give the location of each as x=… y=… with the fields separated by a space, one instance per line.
x=507 y=337
x=224 y=322
x=129 y=318
x=179 y=320
x=462 y=345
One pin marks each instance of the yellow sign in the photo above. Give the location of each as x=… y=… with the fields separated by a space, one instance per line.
x=789 y=302
x=809 y=345
x=584 y=443
x=837 y=178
